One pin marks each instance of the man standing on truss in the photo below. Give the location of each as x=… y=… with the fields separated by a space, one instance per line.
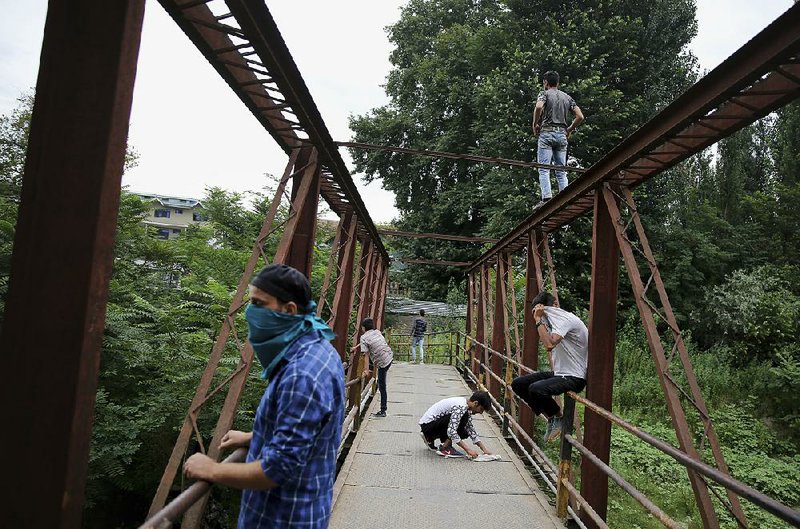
x=550 y=119
x=566 y=338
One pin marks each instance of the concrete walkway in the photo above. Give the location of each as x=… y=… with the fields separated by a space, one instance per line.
x=390 y=479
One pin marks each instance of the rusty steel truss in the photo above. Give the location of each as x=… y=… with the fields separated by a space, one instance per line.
x=759 y=78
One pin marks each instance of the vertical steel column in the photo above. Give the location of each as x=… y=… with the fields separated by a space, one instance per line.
x=380 y=308
x=470 y=315
x=221 y=341
x=343 y=299
x=530 y=337
x=499 y=326
x=480 y=331
x=333 y=257
x=701 y=492
x=368 y=256
x=301 y=248
x=70 y=199
x=602 y=339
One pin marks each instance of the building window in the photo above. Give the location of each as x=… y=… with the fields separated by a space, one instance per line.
x=175 y=230
x=178 y=211
x=162 y=233
x=161 y=213
x=199 y=217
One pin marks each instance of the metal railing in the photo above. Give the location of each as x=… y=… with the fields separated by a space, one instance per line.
x=557 y=479
x=439 y=346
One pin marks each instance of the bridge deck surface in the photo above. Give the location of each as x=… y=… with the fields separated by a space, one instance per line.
x=390 y=479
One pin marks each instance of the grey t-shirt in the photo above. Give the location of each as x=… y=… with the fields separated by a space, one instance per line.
x=557 y=106
x=570 y=356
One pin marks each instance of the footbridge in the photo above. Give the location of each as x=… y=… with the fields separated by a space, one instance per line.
x=68 y=208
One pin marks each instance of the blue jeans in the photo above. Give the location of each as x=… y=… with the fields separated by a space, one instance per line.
x=552 y=149
x=415 y=342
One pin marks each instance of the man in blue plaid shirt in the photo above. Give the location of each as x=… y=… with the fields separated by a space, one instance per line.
x=288 y=476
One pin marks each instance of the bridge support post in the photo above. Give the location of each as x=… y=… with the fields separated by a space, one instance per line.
x=530 y=338
x=480 y=334
x=565 y=459
x=602 y=339
x=69 y=203
x=499 y=326
x=343 y=298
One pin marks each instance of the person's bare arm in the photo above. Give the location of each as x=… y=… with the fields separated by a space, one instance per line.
x=576 y=121
x=537 y=117
x=549 y=340
x=483 y=447
x=470 y=452
x=235 y=475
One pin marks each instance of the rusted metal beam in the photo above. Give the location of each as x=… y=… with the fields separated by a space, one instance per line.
x=530 y=337
x=783 y=512
x=480 y=324
x=701 y=492
x=456 y=156
x=602 y=339
x=69 y=203
x=301 y=251
x=333 y=264
x=697 y=399
x=381 y=307
x=166 y=517
x=767 y=55
x=440 y=236
x=651 y=507
x=343 y=299
x=499 y=325
x=433 y=263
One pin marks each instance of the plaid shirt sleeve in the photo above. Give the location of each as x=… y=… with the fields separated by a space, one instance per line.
x=303 y=408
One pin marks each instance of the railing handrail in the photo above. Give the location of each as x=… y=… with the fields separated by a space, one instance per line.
x=174 y=509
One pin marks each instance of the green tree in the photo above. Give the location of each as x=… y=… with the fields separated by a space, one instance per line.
x=464 y=79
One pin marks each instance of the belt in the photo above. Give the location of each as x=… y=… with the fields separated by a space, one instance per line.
x=554 y=127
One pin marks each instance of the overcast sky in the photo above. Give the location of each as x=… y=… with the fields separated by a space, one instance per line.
x=192 y=132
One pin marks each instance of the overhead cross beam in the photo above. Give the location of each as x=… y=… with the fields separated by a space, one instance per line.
x=441 y=236
x=457 y=156
x=433 y=263
x=760 y=77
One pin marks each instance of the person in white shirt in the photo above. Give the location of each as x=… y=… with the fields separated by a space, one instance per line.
x=450 y=420
x=566 y=339
x=380 y=355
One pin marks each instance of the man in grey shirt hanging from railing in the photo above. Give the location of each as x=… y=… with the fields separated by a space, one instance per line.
x=550 y=119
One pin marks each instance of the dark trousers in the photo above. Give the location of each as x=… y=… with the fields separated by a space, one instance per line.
x=537 y=389
x=382 y=384
x=437 y=428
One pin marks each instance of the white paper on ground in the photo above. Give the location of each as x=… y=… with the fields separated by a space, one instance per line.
x=487 y=457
